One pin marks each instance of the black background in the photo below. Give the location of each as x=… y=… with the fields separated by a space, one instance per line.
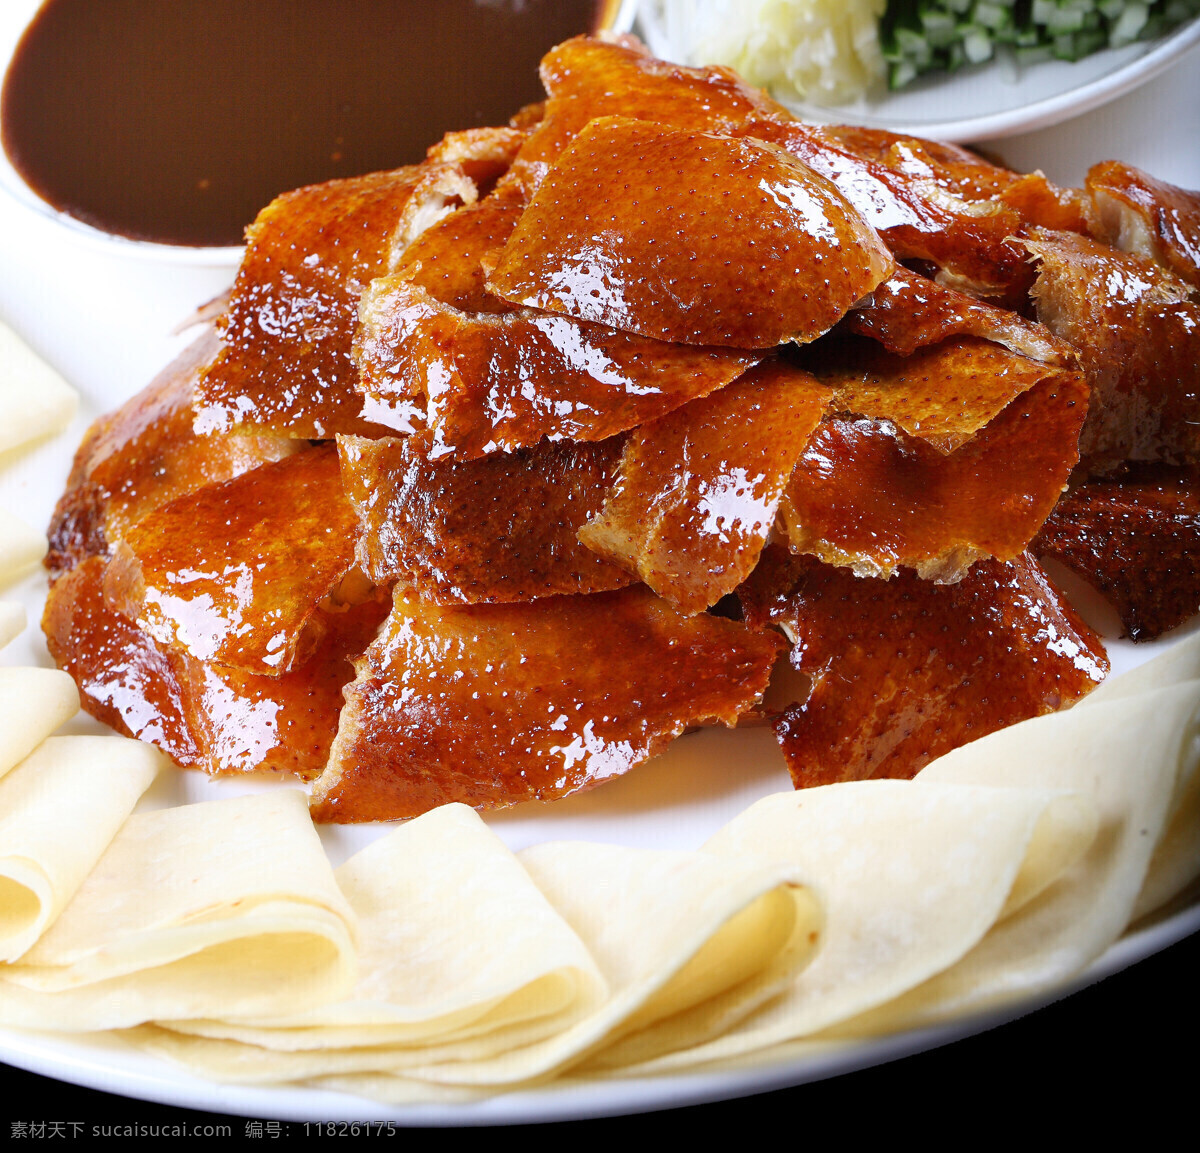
x=1121 y=1050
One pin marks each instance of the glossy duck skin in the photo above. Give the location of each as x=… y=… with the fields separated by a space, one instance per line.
x=208 y=716
x=1137 y=539
x=234 y=573
x=902 y=671
x=1137 y=330
x=909 y=311
x=492 y=705
x=286 y=364
x=689 y=237
x=699 y=489
x=495 y=530
x=144 y=455
x=1136 y=213
x=866 y=495
x=942 y=394
x=916 y=219
x=500 y=383
x=586 y=79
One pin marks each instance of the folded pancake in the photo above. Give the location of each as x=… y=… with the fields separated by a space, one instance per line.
x=1176 y=861
x=493 y=530
x=33 y=703
x=668 y=931
x=698 y=489
x=942 y=394
x=34 y=400
x=458 y=949
x=146 y=454
x=1136 y=213
x=1137 y=539
x=21 y=548
x=1137 y=330
x=1129 y=757
x=917 y=217
x=872 y=849
x=586 y=79
x=504 y=382
x=234 y=573
x=59 y=810
x=203 y=715
x=12 y=622
x=903 y=670
x=243 y=918
x=866 y=495
x=908 y=311
x=496 y=704
x=689 y=237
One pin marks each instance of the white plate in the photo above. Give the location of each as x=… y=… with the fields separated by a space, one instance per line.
x=990 y=100
x=106 y=323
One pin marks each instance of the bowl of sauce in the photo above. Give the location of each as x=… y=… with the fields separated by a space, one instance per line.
x=164 y=128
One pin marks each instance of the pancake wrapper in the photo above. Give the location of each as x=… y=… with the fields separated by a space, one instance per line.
x=651 y=933
x=59 y=811
x=35 y=401
x=914 y=876
x=224 y=907
x=1130 y=758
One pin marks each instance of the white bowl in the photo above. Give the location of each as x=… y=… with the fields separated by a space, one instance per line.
x=15 y=16
x=990 y=100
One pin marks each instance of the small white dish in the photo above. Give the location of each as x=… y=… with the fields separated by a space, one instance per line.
x=989 y=100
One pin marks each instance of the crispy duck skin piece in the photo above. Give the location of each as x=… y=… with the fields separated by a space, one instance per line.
x=494 y=530
x=205 y=716
x=495 y=383
x=450 y=260
x=902 y=671
x=586 y=79
x=909 y=311
x=144 y=455
x=234 y=573
x=698 y=489
x=971 y=244
x=1138 y=335
x=492 y=705
x=942 y=394
x=1136 y=213
x=1137 y=540
x=865 y=495
x=286 y=365
x=689 y=237
x=967 y=175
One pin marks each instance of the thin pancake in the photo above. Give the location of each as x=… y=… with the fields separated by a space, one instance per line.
x=498 y=529
x=699 y=489
x=904 y=670
x=495 y=704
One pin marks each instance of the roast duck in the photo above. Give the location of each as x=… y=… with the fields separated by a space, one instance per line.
x=500 y=472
